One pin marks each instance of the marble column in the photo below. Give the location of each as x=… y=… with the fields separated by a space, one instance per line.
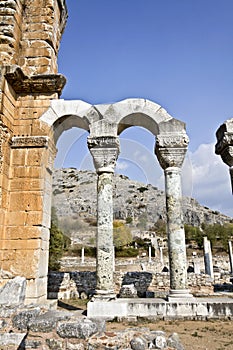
x=208 y=258
x=104 y=151
x=230 y=257
x=170 y=150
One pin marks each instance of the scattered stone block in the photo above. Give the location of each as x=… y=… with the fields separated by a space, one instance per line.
x=47 y=322
x=138 y=344
x=13 y=292
x=128 y=291
x=9 y=339
x=21 y=320
x=83 y=328
x=55 y=344
x=174 y=342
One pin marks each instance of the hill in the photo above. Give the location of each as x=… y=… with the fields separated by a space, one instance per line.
x=74 y=197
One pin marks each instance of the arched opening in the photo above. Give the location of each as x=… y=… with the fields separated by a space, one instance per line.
x=141 y=203
x=137 y=159
x=73 y=210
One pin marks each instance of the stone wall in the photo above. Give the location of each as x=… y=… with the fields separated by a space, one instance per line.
x=66 y=285
x=30 y=34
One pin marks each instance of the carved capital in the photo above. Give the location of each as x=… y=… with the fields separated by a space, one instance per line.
x=170 y=149
x=224 y=147
x=105 y=151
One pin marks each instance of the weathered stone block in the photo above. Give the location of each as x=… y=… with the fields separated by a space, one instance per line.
x=138 y=343
x=55 y=344
x=36 y=289
x=12 y=339
x=82 y=328
x=21 y=320
x=15 y=289
x=16 y=218
x=27 y=185
x=26 y=201
x=19 y=157
x=47 y=322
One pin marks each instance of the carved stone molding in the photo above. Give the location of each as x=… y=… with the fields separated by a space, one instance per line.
x=29 y=141
x=42 y=83
x=170 y=149
x=105 y=151
x=4 y=136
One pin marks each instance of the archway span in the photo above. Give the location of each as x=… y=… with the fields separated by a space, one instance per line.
x=68 y=122
x=63 y=115
x=136 y=112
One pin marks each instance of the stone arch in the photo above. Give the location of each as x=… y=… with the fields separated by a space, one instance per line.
x=105 y=123
x=139 y=112
x=63 y=115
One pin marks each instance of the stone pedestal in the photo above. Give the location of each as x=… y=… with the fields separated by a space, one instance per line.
x=105 y=152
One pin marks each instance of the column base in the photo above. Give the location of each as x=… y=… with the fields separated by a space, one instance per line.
x=180 y=295
x=105 y=295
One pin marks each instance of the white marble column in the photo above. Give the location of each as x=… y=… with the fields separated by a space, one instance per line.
x=230 y=256
x=82 y=255
x=105 y=151
x=208 y=258
x=170 y=150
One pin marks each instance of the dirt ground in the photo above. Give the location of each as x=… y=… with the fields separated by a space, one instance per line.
x=194 y=335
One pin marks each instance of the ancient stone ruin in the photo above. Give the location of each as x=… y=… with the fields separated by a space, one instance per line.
x=33 y=118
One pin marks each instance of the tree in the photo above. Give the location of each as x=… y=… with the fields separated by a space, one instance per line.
x=57 y=244
x=159 y=228
x=193 y=233
x=122 y=235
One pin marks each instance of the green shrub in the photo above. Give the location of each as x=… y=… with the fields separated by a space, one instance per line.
x=129 y=220
x=76 y=250
x=128 y=252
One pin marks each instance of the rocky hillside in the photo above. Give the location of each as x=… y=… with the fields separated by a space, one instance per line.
x=74 y=195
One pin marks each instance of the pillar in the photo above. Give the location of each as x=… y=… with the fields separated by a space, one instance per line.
x=82 y=256
x=208 y=258
x=149 y=254
x=170 y=150
x=230 y=257
x=104 y=151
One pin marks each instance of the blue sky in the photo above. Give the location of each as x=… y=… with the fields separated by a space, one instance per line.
x=177 y=53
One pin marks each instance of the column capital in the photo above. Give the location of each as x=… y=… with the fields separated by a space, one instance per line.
x=171 y=148
x=105 y=151
x=224 y=147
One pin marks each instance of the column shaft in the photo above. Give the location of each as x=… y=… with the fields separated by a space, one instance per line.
x=104 y=234
x=175 y=229
x=104 y=150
